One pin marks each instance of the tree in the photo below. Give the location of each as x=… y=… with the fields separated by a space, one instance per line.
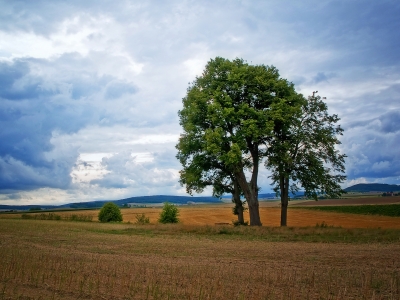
x=302 y=152
x=229 y=114
x=169 y=214
x=110 y=212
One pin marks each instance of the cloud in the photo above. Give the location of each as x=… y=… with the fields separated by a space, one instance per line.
x=321 y=76
x=86 y=80
x=42 y=98
x=372 y=147
x=128 y=171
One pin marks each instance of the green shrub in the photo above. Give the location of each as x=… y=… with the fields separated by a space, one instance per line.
x=110 y=212
x=169 y=214
x=80 y=218
x=142 y=219
x=42 y=216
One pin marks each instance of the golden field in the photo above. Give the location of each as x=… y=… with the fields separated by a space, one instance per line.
x=197 y=259
x=211 y=214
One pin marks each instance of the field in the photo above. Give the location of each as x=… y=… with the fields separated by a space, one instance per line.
x=200 y=260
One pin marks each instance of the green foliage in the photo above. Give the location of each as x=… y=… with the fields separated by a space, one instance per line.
x=53 y=216
x=228 y=115
x=79 y=218
x=391 y=210
x=49 y=216
x=110 y=212
x=169 y=214
x=141 y=219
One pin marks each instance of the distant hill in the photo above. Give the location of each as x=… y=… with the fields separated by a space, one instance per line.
x=142 y=200
x=270 y=196
x=373 y=187
x=148 y=200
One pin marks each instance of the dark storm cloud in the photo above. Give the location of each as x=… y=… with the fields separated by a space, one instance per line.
x=14 y=84
x=390 y=122
x=372 y=147
x=33 y=108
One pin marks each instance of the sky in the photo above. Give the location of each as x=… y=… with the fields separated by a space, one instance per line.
x=90 y=90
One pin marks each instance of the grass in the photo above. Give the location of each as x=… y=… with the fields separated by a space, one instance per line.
x=43 y=259
x=56 y=217
x=391 y=210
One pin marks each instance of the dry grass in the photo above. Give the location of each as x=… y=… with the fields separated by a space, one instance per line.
x=269 y=211
x=71 y=260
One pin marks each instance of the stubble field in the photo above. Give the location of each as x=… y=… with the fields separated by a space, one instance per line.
x=200 y=260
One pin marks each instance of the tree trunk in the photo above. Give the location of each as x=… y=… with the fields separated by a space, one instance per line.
x=238 y=202
x=240 y=215
x=251 y=197
x=284 y=187
x=254 y=214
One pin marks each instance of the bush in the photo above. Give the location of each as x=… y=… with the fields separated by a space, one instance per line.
x=79 y=218
x=169 y=214
x=42 y=216
x=142 y=219
x=110 y=212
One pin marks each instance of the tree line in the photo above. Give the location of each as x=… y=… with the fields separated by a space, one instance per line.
x=236 y=117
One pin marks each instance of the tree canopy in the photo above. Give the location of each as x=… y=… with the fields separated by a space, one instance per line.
x=228 y=118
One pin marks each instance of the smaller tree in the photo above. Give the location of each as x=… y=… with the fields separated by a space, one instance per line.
x=169 y=214
x=110 y=212
x=303 y=152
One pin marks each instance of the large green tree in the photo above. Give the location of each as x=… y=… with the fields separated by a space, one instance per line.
x=229 y=112
x=302 y=153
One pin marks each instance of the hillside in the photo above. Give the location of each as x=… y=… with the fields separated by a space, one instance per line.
x=142 y=200
x=373 y=187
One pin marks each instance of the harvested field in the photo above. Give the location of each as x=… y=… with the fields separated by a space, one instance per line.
x=72 y=260
x=269 y=211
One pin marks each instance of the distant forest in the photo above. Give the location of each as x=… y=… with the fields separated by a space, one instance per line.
x=373 y=187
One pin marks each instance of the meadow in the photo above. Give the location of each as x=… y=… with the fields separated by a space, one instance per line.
x=196 y=259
